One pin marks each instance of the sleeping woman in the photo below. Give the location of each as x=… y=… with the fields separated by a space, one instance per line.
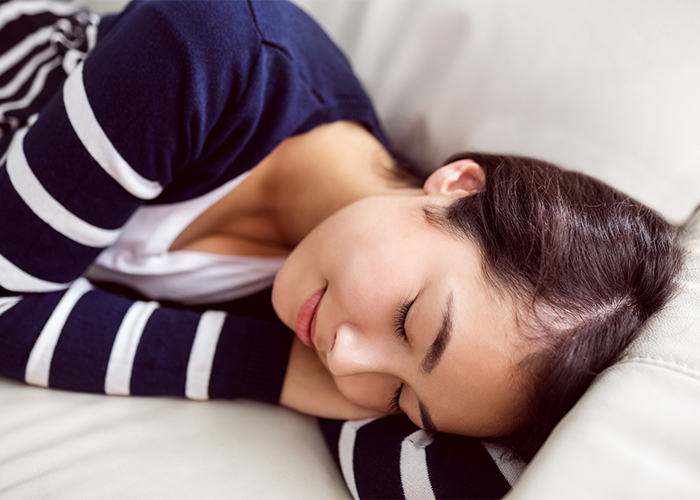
x=205 y=205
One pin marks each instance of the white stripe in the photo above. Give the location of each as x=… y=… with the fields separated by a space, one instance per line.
x=13 y=278
x=91 y=31
x=415 y=480
x=39 y=363
x=20 y=51
x=510 y=464
x=202 y=354
x=45 y=206
x=7 y=303
x=346 y=452
x=26 y=72
x=121 y=359
x=34 y=90
x=13 y=10
x=98 y=144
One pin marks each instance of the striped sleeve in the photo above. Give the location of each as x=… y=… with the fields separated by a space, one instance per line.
x=66 y=190
x=41 y=41
x=390 y=457
x=87 y=339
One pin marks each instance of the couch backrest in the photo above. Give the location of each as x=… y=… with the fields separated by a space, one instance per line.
x=605 y=87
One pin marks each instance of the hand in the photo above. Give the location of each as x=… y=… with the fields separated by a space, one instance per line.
x=309 y=388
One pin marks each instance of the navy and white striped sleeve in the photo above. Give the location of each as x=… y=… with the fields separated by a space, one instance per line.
x=91 y=340
x=101 y=147
x=390 y=457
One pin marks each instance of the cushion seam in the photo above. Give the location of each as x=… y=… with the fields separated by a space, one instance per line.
x=675 y=366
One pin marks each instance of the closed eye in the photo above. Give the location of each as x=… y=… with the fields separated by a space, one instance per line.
x=394 y=403
x=400 y=319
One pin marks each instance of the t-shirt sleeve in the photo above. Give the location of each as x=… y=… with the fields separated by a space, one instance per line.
x=126 y=124
x=390 y=457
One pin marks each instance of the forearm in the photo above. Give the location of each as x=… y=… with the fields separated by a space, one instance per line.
x=87 y=339
x=392 y=458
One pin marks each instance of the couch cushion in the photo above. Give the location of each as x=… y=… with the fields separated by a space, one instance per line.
x=63 y=445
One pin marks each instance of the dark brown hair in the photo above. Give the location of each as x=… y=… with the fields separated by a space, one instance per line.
x=588 y=264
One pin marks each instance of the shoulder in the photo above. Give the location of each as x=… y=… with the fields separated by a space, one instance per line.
x=285 y=27
x=214 y=28
x=208 y=50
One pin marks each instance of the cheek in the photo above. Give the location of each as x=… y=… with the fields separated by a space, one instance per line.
x=372 y=281
x=300 y=275
x=286 y=293
x=368 y=390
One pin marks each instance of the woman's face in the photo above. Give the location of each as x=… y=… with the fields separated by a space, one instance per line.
x=398 y=309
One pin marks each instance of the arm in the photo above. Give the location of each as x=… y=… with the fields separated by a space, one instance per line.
x=124 y=127
x=127 y=127
x=87 y=339
x=390 y=457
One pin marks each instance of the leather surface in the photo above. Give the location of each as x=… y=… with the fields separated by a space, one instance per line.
x=63 y=445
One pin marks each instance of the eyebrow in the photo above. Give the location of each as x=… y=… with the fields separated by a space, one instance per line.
x=428 y=424
x=437 y=348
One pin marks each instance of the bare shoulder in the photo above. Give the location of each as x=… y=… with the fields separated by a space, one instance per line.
x=341 y=139
x=338 y=153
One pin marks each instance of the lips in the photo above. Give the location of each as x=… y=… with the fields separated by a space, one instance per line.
x=305 y=324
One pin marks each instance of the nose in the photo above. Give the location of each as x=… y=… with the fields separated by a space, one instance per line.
x=356 y=352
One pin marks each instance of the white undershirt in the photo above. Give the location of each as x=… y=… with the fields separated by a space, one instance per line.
x=141 y=258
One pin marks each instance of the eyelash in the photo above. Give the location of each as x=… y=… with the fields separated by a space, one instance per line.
x=400 y=329
x=394 y=403
x=400 y=320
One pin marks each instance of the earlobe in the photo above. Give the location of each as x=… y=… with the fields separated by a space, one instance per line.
x=462 y=175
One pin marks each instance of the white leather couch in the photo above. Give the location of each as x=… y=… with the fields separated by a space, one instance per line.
x=606 y=87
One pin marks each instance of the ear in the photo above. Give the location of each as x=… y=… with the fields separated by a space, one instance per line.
x=465 y=175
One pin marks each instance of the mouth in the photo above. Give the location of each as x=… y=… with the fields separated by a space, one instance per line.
x=305 y=324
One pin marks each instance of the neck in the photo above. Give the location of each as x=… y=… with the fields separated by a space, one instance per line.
x=311 y=176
